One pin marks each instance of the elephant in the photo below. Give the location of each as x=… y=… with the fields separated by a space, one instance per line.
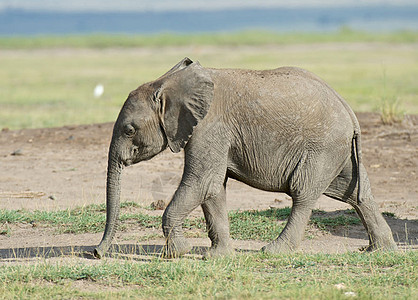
x=280 y=130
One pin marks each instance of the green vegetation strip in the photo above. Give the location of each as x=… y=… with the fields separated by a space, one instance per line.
x=217 y=39
x=244 y=225
x=52 y=88
x=243 y=276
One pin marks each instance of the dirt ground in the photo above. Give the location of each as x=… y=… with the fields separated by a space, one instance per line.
x=50 y=169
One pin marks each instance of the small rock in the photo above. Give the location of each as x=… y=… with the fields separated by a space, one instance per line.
x=339 y=286
x=158 y=205
x=52 y=197
x=350 y=294
x=17 y=152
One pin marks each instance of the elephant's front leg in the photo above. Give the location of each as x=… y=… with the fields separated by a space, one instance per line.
x=203 y=178
x=217 y=223
x=184 y=201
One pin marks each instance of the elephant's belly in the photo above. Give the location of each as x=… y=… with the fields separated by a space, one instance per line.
x=261 y=180
x=267 y=168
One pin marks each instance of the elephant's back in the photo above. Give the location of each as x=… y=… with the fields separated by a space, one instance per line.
x=331 y=101
x=288 y=99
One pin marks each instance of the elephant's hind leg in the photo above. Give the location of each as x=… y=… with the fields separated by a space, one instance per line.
x=344 y=188
x=292 y=235
x=217 y=223
x=307 y=183
x=379 y=232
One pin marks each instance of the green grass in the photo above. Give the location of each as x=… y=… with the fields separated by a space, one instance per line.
x=49 y=81
x=257 y=225
x=244 y=225
x=91 y=218
x=324 y=222
x=244 y=276
x=251 y=38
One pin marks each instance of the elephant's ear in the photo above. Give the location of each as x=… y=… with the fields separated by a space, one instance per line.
x=179 y=66
x=185 y=97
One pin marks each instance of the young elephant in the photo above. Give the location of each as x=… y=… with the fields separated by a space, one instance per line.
x=282 y=130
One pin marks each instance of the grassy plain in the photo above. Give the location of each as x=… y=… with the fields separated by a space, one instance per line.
x=49 y=81
x=250 y=37
x=243 y=276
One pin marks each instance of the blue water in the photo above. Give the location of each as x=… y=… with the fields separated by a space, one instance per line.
x=368 y=18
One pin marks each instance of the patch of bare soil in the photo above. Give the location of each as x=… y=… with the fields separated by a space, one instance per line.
x=57 y=168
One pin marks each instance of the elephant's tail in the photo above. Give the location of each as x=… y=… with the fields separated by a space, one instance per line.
x=357 y=152
x=356 y=138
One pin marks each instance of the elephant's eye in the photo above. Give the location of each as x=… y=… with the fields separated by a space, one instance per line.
x=129 y=130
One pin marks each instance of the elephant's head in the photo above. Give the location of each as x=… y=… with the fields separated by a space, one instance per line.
x=156 y=115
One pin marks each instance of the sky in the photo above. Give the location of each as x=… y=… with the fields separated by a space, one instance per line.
x=171 y=5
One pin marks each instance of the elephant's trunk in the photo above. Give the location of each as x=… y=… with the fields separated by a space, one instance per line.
x=114 y=170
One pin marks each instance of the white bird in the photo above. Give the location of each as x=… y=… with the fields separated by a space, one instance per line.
x=98 y=91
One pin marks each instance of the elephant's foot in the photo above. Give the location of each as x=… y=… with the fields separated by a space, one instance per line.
x=219 y=251
x=278 y=246
x=176 y=247
x=381 y=245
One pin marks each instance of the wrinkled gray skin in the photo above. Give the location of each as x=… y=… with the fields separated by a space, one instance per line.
x=282 y=130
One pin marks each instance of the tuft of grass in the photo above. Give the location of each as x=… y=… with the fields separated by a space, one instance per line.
x=390 y=111
x=389 y=214
x=390 y=107
x=375 y=275
x=5 y=229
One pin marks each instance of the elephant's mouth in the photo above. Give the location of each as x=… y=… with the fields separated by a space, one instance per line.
x=130 y=161
x=127 y=162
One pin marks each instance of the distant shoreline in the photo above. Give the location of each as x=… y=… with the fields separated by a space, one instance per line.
x=370 y=18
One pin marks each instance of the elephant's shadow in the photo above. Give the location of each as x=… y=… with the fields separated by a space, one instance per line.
x=123 y=251
x=405 y=231
x=346 y=223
